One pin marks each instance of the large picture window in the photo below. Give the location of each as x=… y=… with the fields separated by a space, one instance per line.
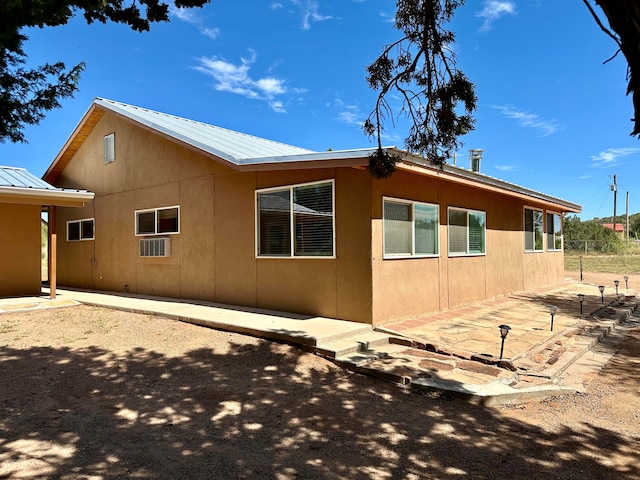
x=157 y=221
x=533 y=233
x=554 y=231
x=80 y=230
x=296 y=221
x=410 y=228
x=467 y=232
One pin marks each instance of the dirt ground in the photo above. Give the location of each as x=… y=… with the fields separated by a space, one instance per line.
x=90 y=393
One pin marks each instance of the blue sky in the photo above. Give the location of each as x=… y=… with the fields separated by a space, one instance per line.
x=551 y=116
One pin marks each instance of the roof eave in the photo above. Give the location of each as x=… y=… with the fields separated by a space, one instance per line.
x=36 y=196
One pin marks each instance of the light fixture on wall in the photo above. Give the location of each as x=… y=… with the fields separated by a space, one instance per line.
x=616 y=283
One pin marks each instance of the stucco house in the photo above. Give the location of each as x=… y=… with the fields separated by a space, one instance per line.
x=23 y=197
x=194 y=211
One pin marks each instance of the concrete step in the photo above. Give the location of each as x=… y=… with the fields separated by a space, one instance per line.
x=362 y=342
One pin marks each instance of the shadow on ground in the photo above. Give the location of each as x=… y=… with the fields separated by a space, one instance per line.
x=247 y=413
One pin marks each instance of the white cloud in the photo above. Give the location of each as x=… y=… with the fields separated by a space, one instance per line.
x=310 y=13
x=610 y=157
x=235 y=78
x=493 y=10
x=506 y=168
x=192 y=16
x=276 y=6
x=350 y=115
x=530 y=120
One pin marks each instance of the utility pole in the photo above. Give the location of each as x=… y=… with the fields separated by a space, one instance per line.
x=627 y=234
x=614 y=188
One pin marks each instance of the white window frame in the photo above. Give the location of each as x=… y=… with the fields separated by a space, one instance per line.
x=110 y=148
x=292 y=238
x=550 y=230
x=484 y=233
x=413 y=253
x=155 y=223
x=80 y=237
x=525 y=233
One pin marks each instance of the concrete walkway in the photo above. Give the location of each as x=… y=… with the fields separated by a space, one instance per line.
x=456 y=352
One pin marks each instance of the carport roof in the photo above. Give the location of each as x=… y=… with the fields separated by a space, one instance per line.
x=17 y=185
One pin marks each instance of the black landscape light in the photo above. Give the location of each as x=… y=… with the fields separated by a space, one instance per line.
x=504 y=331
x=601 y=288
x=626 y=281
x=616 y=283
x=581 y=299
x=552 y=310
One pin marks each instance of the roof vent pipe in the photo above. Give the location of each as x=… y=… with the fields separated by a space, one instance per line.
x=475 y=157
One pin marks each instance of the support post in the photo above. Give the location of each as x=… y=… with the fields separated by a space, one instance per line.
x=53 y=252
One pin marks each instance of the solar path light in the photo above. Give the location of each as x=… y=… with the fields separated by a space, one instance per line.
x=626 y=281
x=504 y=331
x=601 y=288
x=616 y=283
x=552 y=310
x=581 y=299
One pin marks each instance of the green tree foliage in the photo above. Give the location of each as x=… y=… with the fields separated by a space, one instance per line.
x=437 y=98
x=27 y=94
x=589 y=236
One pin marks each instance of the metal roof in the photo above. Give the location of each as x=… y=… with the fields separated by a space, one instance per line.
x=17 y=185
x=19 y=177
x=251 y=153
x=227 y=144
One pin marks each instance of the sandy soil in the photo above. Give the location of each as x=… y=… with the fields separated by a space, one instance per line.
x=89 y=393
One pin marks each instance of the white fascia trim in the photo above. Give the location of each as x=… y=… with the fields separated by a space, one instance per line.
x=82 y=195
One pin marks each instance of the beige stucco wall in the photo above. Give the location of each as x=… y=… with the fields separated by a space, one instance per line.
x=20 y=249
x=414 y=286
x=213 y=257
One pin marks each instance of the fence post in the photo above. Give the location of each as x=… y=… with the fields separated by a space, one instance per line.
x=580 y=268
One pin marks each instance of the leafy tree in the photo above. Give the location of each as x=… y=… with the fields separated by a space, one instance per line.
x=598 y=238
x=27 y=94
x=421 y=68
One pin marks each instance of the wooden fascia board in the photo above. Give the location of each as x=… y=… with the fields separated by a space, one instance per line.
x=73 y=143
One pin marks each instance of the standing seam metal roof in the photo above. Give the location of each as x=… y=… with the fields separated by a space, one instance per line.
x=227 y=144
x=20 y=177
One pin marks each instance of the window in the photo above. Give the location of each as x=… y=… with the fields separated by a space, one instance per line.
x=158 y=221
x=110 y=148
x=533 y=230
x=554 y=231
x=80 y=230
x=467 y=232
x=410 y=228
x=296 y=221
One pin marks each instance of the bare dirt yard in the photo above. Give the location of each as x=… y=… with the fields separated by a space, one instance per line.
x=90 y=393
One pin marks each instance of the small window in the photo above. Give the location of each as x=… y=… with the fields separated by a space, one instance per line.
x=158 y=221
x=533 y=233
x=467 y=232
x=554 y=231
x=410 y=229
x=296 y=221
x=155 y=247
x=80 y=230
x=110 y=148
